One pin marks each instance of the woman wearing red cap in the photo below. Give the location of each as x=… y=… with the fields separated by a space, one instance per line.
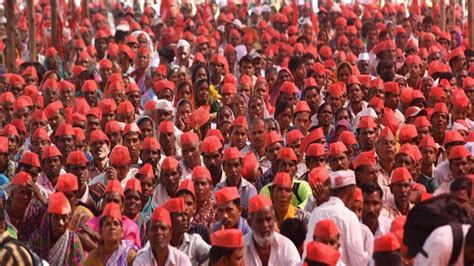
x=112 y=250
x=53 y=241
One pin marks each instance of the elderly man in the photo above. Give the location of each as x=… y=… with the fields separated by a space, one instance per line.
x=233 y=170
x=459 y=165
x=264 y=246
x=191 y=151
x=170 y=177
x=336 y=208
x=159 y=251
x=400 y=185
x=212 y=157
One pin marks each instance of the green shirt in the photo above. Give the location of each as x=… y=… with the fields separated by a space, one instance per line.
x=300 y=193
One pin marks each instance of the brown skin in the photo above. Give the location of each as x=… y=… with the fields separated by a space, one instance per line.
x=371 y=210
x=202 y=190
x=233 y=170
x=263 y=226
x=281 y=198
x=229 y=214
x=132 y=204
x=111 y=233
x=170 y=179
x=159 y=235
x=401 y=191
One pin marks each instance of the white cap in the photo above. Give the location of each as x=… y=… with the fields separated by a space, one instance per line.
x=342 y=178
x=183 y=43
x=237 y=23
x=470 y=147
x=363 y=57
x=266 y=8
x=164 y=105
x=335 y=8
x=123 y=27
x=459 y=126
x=257 y=10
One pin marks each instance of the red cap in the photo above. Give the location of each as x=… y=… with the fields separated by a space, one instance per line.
x=229 y=88
x=200 y=172
x=439 y=108
x=119 y=156
x=422 y=121
x=326 y=228
x=114 y=186
x=258 y=202
x=147 y=170
x=358 y=195
x=200 y=117
x=335 y=89
x=67 y=183
x=169 y=163
x=189 y=138
x=186 y=185
x=240 y=121
x=293 y=136
x=226 y=194
x=174 y=205
x=287 y=153
x=319 y=252
x=271 y=138
x=50 y=151
x=364 y=158
x=133 y=184
x=348 y=138
x=386 y=243
x=400 y=174
x=315 y=150
x=112 y=210
x=76 y=158
x=318 y=175
x=283 y=179
x=108 y=106
x=52 y=108
x=58 y=204
x=150 y=143
x=231 y=153
x=288 y=87
x=408 y=132
x=336 y=148
x=97 y=135
x=227 y=238
x=249 y=165
x=113 y=126
x=89 y=86
x=302 y=106
x=40 y=133
x=28 y=158
x=366 y=122
x=428 y=141
x=125 y=107
x=211 y=144
x=164 y=84
x=313 y=136
x=22 y=178
x=7 y=97
x=459 y=152
x=166 y=127
x=131 y=128
x=452 y=136
x=457 y=52
x=10 y=130
x=64 y=130
x=391 y=87
x=398 y=223
x=409 y=150
x=162 y=215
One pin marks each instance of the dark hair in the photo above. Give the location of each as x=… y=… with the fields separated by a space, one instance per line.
x=167 y=53
x=216 y=253
x=198 y=83
x=295 y=230
x=195 y=70
x=369 y=26
x=371 y=187
x=428 y=19
x=314 y=263
x=320 y=108
x=2 y=215
x=384 y=64
x=281 y=107
x=294 y=63
x=470 y=236
x=462 y=183
x=245 y=59
x=392 y=258
x=120 y=36
x=343 y=109
x=269 y=70
x=102 y=221
x=184 y=191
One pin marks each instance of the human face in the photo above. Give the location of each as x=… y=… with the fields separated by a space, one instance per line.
x=202 y=94
x=368 y=173
x=339 y=162
x=325 y=116
x=302 y=121
x=332 y=241
x=288 y=98
x=257 y=130
x=256 y=108
x=229 y=214
x=440 y=122
x=263 y=226
x=65 y=144
x=460 y=166
x=113 y=197
x=404 y=160
x=354 y=93
x=180 y=222
x=146 y=127
x=233 y=170
x=372 y=207
x=224 y=115
x=312 y=97
x=462 y=197
x=93 y=123
x=287 y=166
x=146 y=183
x=392 y=100
x=344 y=74
x=191 y=154
x=59 y=223
x=184 y=92
x=238 y=105
x=37 y=145
x=213 y=161
x=281 y=198
x=132 y=142
x=238 y=137
x=81 y=171
x=357 y=208
x=52 y=166
x=401 y=191
x=67 y=96
x=111 y=230
x=190 y=205
x=159 y=235
x=272 y=152
x=170 y=179
x=168 y=143
x=134 y=98
x=202 y=189
x=150 y=156
x=428 y=155
x=132 y=203
x=366 y=138
x=21 y=197
x=284 y=118
x=247 y=68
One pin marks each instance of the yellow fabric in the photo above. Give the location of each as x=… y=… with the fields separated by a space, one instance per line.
x=77 y=215
x=291 y=213
x=94 y=258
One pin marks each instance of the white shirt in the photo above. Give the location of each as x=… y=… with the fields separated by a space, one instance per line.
x=439 y=246
x=442 y=173
x=368 y=239
x=160 y=195
x=384 y=226
x=351 y=240
x=444 y=188
x=101 y=178
x=195 y=248
x=282 y=252
x=175 y=257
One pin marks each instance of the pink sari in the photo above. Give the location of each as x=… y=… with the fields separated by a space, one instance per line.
x=130 y=229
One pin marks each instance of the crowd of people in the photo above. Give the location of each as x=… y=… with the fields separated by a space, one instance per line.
x=237 y=133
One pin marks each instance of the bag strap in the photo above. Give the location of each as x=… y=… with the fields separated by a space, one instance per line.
x=458 y=239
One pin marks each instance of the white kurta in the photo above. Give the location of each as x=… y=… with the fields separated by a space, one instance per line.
x=283 y=252
x=175 y=257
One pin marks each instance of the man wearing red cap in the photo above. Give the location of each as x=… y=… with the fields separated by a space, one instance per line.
x=385 y=147
x=321 y=254
x=342 y=195
x=459 y=165
x=131 y=140
x=400 y=186
x=99 y=149
x=159 y=251
x=170 y=176
x=264 y=246
x=372 y=205
x=51 y=164
x=273 y=143
x=224 y=241
x=232 y=164
x=7 y=166
x=229 y=211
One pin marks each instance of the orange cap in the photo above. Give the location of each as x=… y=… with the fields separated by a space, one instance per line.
x=283 y=179
x=318 y=175
x=386 y=243
x=22 y=178
x=112 y=209
x=174 y=205
x=400 y=174
x=226 y=194
x=119 y=156
x=231 y=153
x=325 y=254
x=326 y=228
x=459 y=152
x=58 y=204
x=364 y=158
x=259 y=202
x=227 y=238
x=211 y=144
x=189 y=138
x=287 y=153
x=169 y=163
x=336 y=148
x=67 y=183
x=50 y=151
x=201 y=172
x=162 y=215
x=133 y=184
x=28 y=158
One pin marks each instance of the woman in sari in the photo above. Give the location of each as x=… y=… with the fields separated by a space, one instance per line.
x=53 y=241
x=112 y=250
x=133 y=207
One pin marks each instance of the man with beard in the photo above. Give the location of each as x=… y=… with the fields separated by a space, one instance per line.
x=337 y=208
x=65 y=139
x=51 y=164
x=191 y=152
x=229 y=211
x=212 y=157
x=378 y=224
x=400 y=186
x=191 y=244
x=264 y=246
x=150 y=152
x=169 y=181
x=159 y=251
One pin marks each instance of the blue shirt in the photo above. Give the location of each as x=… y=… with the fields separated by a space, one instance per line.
x=243 y=226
